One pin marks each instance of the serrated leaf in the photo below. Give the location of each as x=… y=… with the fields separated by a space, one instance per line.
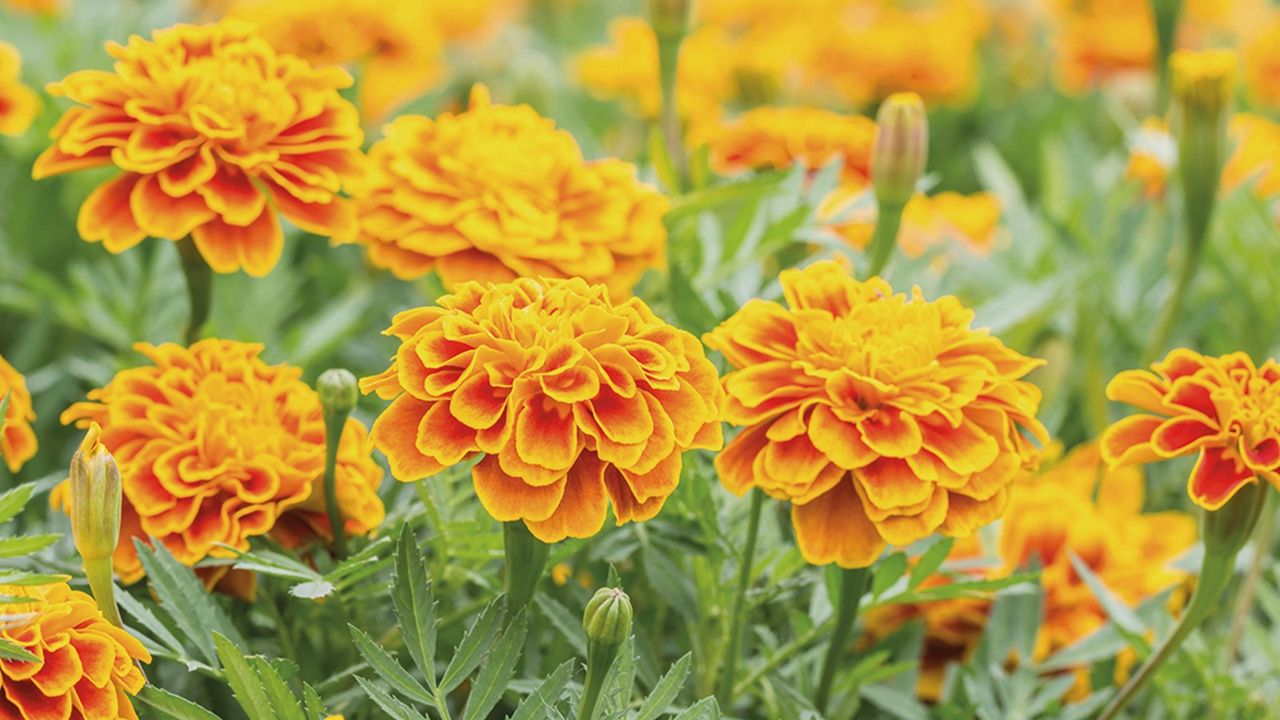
x=388 y=668
x=311 y=700
x=541 y=702
x=159 y=631
x=184 y=598
x=12 y=651
x=704 y=709
x=619 y=683
x=173 y=706
x=1121 y=614
x=894 y=702
x=24 y=578
x=274 y=564
x=278 y=693
x=15 y=499
x=569 y=627
x=391 y=706
x=245 y=683
x=666 y=689
x=415 y=608
x=25 y=544
x=930 y=561
x=492 y=681
x=475 y=643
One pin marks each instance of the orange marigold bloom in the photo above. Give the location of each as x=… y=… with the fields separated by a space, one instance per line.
x=214 y=132
x=215 y=447
x=19 y=104
x=881 y=417
x=1262 y=65
x=574 y=401
x=1224 y=409
x=946 y=219
x=87 y=665
x=497 y=192
x=17 y=439
x=1256 y=157
x=778 y=137
x=1099 y=40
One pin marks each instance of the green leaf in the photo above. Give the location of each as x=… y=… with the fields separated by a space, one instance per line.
x=415 y=608
x=274 y=564
x=245 y=683
x=173 y=706
x=12 y=651
x=492 y=681
x=894 y=702
x=282 y=699
x=666 y=690
x=25 y=544
x=159 y=631
x=383 y=699
x=184 y=598
x=14 y=500
x=619 y=683
x=389 y=669
x=1121 y=614
x=567 y=625
x=887 y=572
x=704 y=709
x=23 y=578
x=542 y=701
x=930 y=561
x=311 y=699
x=475 y=643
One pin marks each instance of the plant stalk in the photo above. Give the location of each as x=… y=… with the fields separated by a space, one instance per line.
x=884 y=237
x=600 y=657
x=526 y=558
x=853 y=585
x=101 y=584
x=669 y=119
x=724 y=694
x=334 y=423
x=199 y=287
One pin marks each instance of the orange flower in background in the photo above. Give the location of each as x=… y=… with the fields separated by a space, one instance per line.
x=19 y=104
x=214 y=133
x=497 y=192
x=357 y=479
x=1101 y=40
x=1256 y=157
x=778 y=137
x=1225 y=409
x=1152 y=156
x=87 y=666
x=946 y=219
x=215 y=447
x=39 y=7
x=573 y=402
x=881 y=417
x=1073 y=507
x=17 y=439
x=1262 y=64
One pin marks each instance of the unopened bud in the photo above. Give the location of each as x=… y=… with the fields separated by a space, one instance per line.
x=901 y=150
x=95 y=498
x=670 y=18
x=1203 y=85
x=338 y=391
x=607 y=618
x=1203 y=81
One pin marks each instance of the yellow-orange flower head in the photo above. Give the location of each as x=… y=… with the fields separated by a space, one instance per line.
x=497 y=192
x=17 y=439
x=881 y=417
x=18 y=103
x=574 y=401
x=778 y=137
x=214 y=133
x=215 y=447
x=1225 y=409
x=87 y=665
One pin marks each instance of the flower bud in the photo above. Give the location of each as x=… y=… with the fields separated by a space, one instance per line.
x=901 y=150
x=607 y=618
x=95 y=498
x=670 y=18
x=1203 y=84
x=337 y=390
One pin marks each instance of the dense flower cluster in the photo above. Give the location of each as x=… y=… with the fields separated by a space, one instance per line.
x=18 y=103
x=497 y=192
x=574 y=401
x=1072 y=508
x=881 y=417
x=215 y=447
x=214 y=133
x=17 y=440
x=1225 y=410
x=86 y=669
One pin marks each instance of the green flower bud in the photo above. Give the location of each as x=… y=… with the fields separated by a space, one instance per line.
x=901 y=149
x=95 y=499
x=670 y=18
x=338 y=391
x=607 y=618
x=1203 y=86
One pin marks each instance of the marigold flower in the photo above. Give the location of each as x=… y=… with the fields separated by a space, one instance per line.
x=215 y=447
x=214 y=133
x=17 y=439
x=86 y=667
x=575 y=402
x=1100 y=40
x=1152 y=155
x=946 y=219
x=1256 y=157
x=1224 y=409
x=19 y=104
x=881 y=417
x=1262 y=65
x=497 y=192
x=1073 y=507
x=778 y=137
x=1203 y=81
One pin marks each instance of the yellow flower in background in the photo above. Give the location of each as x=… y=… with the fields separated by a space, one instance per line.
x=356 y=481
x=19 y=104
x=1152 y=156
x=881 y=417
x=575 y=403
x=1261 y=61
x=216 y=447
x=1101 y=40
x=38 y=7
x=461 y=21
x=498 y=192
x=1077 y=507
x=947 y=220
x=87 y=667
x=215 y=134
x=1255 y=161
x=778 y=137
x=17 y=439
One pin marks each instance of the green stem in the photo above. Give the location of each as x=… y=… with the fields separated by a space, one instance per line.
x=199 y=287
x=724 y=694
x=1166 y=13
x=599 y=658
x=669 y=119
x=103 y=588
x=334 y=423
x=526 y=559
x=1249 y=586
x=884 y=237
x=789 y=651
x=853 y=585
x=1173 y=306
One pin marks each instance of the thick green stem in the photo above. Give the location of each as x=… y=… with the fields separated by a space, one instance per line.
x=334 y=423
x=853 y=585
x=1173 y=306
x=724 y=693
x=669 y=120
x=885 y=236
x=600 y=657
x=104 y=589
x=1166 y=14
x=526 y=558
x=1263 y=538
x=199 y=287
